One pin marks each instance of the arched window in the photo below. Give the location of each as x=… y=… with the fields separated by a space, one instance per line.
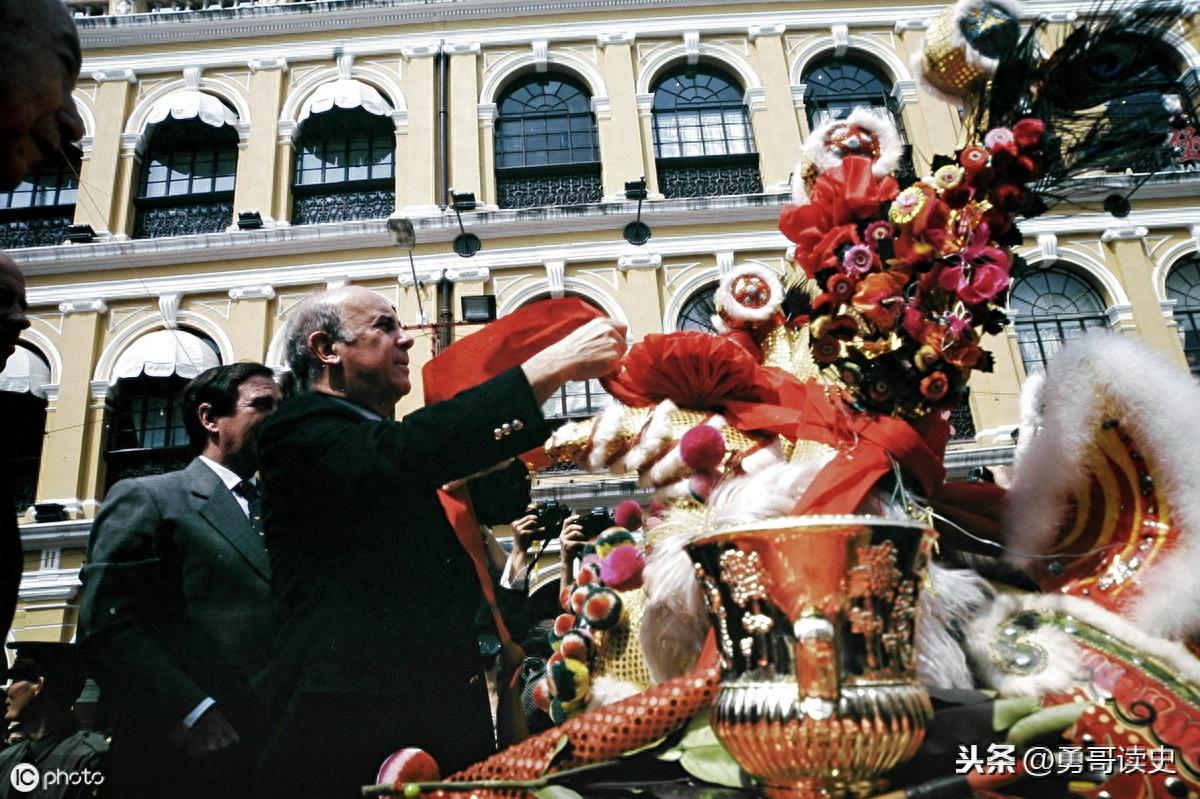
x=547 y=149
x=23 y=409
x=37 y=212
x=345 y=167
x=1183 y=286
x=703 y=143
x=146 y=433
x=1052 y=306
x=835 y=86
x=187 y=178
x=698 y=310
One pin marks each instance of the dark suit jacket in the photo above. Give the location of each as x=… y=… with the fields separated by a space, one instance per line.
x=374 y=593
x=176 y=605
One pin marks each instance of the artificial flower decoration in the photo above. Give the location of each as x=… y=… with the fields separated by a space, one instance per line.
x=692 y=369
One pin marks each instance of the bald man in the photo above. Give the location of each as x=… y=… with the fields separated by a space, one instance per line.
x=375 y=597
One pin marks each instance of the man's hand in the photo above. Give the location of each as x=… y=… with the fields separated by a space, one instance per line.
x=593 y=350
x=210 y=742
x=572 y=541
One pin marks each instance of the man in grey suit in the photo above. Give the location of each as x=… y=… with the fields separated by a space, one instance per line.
x=176 y=606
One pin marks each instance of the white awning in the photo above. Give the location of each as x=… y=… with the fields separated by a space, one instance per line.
x=345 y=93
x=25 y=373
x=192 y=104
x=164 y=353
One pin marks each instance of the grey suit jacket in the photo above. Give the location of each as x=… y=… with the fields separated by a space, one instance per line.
x=176 y=602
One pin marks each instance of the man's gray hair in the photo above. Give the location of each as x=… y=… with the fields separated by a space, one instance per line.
x=311 y=315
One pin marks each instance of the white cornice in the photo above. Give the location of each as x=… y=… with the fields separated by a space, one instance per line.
x=496 y=18
x=50 y=584
x=56 y=535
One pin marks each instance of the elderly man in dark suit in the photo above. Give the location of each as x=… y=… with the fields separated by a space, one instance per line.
x=175 y=612
x=375 y=595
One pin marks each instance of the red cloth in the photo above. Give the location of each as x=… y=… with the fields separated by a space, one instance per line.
x=866 y=444
x=484 y=354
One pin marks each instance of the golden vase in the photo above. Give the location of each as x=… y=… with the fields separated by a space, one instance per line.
x=815 y=619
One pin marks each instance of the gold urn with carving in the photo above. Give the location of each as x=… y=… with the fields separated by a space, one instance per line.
x=815 y=620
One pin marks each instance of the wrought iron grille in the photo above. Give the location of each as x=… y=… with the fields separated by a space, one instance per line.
x=697 y=312
x=709 y=177
x=29 y=231
x=962 y=421
x=37 y=212
x=525 y=188
x=1183 y=286
x=213 y=214
x=577 y=399
x=343 y=206
x=143 y=463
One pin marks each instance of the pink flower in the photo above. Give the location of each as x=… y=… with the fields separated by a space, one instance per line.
x=858 y=260
x=982 y=272
x=998 y=137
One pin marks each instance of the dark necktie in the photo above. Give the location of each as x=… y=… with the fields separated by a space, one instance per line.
x=248 y=490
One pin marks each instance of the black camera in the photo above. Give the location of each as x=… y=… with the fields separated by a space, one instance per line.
x=550 y=517
x=595 y=522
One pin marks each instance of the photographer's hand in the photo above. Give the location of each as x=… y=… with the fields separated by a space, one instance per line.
x=571 y=543
x=525 y=530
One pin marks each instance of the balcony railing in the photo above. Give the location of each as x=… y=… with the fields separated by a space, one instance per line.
x=342 y=206
x=962 y=422
x=715 y=176
x=155 y=220
x=534 y=187
x=38 y=231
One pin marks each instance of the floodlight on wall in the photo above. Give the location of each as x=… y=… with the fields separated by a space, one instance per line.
x=400 y=228
x=465 y=244
x=80 y=234
x=249 y=220
x=479 y=308
x=636 y=232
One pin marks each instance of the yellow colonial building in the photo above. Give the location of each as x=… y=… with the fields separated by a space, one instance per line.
x=241 y=155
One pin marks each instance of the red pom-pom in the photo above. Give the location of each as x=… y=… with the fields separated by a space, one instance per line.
x=579 y=596
x=628 y=514
x=1027 y=133
x=602 y=610
x=700 y=485
x=657 y=508
x=702 y=447
x=409 y=765
x=622 y=568
x=554 y=658
x=577 y=646
x=587 y=577
x=564 y=624
x=541 y=695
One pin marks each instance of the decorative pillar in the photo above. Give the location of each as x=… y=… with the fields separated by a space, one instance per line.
x=250 y=322
x=645 y=110
x=416 y=151
x=621 y=151
x=72 y=469
x=466 y=151
x=260 y=160
x=642 y=288
x=779 y=150
x=1130 y=262
x=104 y=182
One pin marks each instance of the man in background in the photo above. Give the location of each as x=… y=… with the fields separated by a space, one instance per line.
x=44 y=681
x=175 y=613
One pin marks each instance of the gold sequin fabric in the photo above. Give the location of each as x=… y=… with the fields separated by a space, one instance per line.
x=621 y=655
x=943 y=63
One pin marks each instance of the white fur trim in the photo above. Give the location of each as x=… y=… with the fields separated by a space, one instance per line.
x=1031 y=415
x=952 y=596
x=763 y=457
x=608 y=691
x=674 y=619
x=817 y=152
x=765 y=494
x=1062 y=650
x=607 y=427
x=655 y=437
x=738 y=314
x=799 y=192
x=1158 y=403
x=670 y=467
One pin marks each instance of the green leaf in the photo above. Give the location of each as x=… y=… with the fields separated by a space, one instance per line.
x=670 y=755
x=556 y=792
x=699 y=733
x=652 y=745
x=1051 y=719
x=713 y=764
x=1007 y=712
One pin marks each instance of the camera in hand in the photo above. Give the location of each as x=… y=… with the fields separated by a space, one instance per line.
x=596 y=522
x=550 y=517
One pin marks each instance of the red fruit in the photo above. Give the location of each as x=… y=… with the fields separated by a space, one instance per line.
x=408 y=765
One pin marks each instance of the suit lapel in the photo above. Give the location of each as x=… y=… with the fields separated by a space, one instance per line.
x=221 y=510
